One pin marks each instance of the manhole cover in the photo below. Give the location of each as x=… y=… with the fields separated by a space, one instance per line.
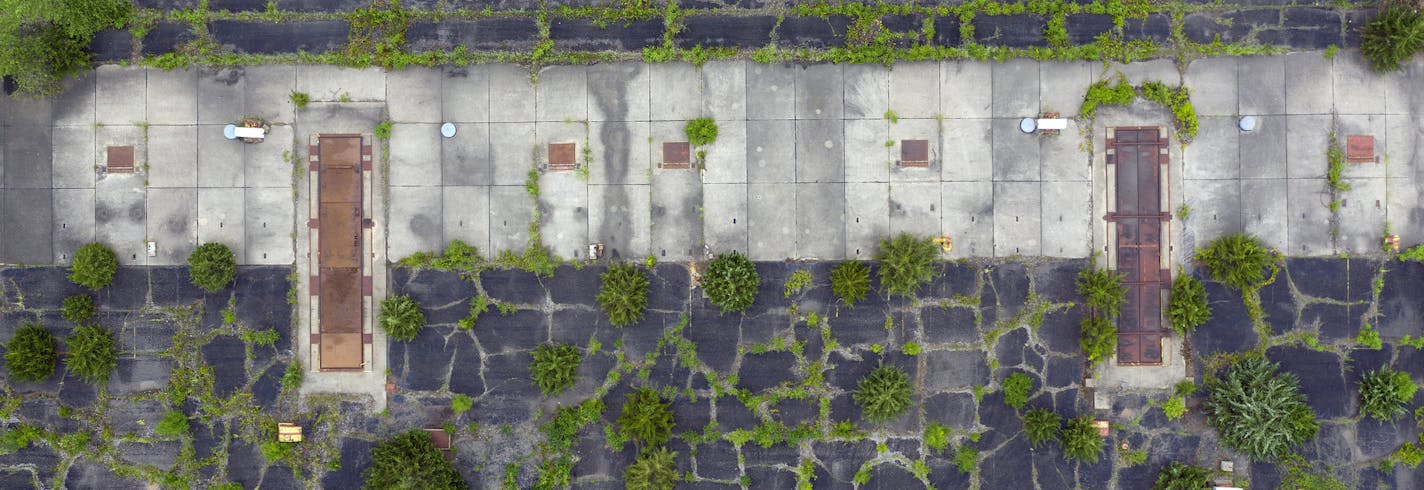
x=121 y=159
x=915 y=153
x=563 y=156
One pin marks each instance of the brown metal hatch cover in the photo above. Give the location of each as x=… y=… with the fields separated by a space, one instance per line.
x=1360 y=149
x=120 y=159
x=563 y=156
x=914 y=153
x=1138 y=158
x=677 y=154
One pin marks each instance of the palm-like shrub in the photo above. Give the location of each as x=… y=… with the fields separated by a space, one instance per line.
x=906 y=263
x=883 y=394
x=624 y=294
x=401 y=317
x=94 y=266
x=1178 y=476
x=1384 y=393
x=1259 y=411
x=78 y=308
x=850 y=281
x=1017 y=388
x=1239 y=260
x=1393 y=36
x=91 y=353
x=731 y=282
x=411 y=461
x=1102 y=289
x=1081 y=440
x=212 y=266
x=1041 y=426
x=646 y=417
x=1098 y=338
x=1188 y=307
x=30 y=354
x=653 y=470
x=555 y=367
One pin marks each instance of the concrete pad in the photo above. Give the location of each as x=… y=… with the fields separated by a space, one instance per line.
x=1308 y=203
x=1015 y=88
x=1067 y=219
x=172 y=96
x=1260 y=83
x=675 y=92
x=726 y=160
x=1357 y=87
x=120 y=215
x=1062 y=85
x=867 y=158
x=172 y=224
x=1016 y=155
x=562 y=94
x=914 y=89
x=1307 y=141
x=222 y=218
x=466 y=215
x=771 y=151
x=1155 y=70
x=465 y=157
x=1264 y=211
x=416 y=221
x=220 y=160
x=510 y=212
x=268 y=226
x=563 y=202
x=413 y=94
x=1063 y=157
x=125 y=135
x=511 y=153
x=509 y=85
x=269 y=91
x=820 y=91
x=724 y=216
x=962 y=91
x=1212 y=82
x=120 y=94
x=28 y=158
x=620 y=152
x=25 y=224
x=771 y=211
x=677 y=216
x=269 y=164
x=966 y=150
x=619 y=218
x=914 y=129
x=969 y=217
x=1401 y=91
x=771 y=91
x=819 y=156
x=561 y=132
x=1213 y=154
x=867 y=91
x=73 y=154
x=1018 y=209
x=618 y=92
x=1406 y=143
x=1309 y=87
x=465 y=94
x=415 y=154
x=1405 y=198
x=867 y=218
x=75 y=106
x=820 y=212
x=222 y=94
x=1215 y=209
x=1263 y=151
x=73 y=223
x=331 y=83
x=1365 y=125
x=1362 y=216
x=724 y=90
x=915 y=208
x=173 y=156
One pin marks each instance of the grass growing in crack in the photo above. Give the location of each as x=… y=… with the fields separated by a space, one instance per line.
x=937 y=436
x=292 y=377
x=1175 y=407
x=797 y=282
x=966 y=459
x=654 y=469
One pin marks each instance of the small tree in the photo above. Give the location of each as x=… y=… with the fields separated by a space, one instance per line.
x=653 y=470
x=91 y=353
x=401 y=317
x=78 y=308
x=731 y=282
x=1259 y=411
x=1081 y=440
x=883 y=394
x=1384 y=393
x=1188 y=307
x=555 y=367
x=212 y=266
x=94 y=266
x=850 y=281
x=410 y=461
x=646 y=417
x=1178 y=476
x=30 y=354
x=906 y=263
x=624 y=294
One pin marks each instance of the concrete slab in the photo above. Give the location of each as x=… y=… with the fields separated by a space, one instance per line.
x=962 y=93
x=220 y=161
x=120 y=217
x=334 y=83
x=268 y=91
x=511 y=153
x=819 y=156
x=1406 y=143
x=1213 y=154
x=915 y=208
x=820 y=210
x=771 y=91
x=222 y=218
x=1015 y=88
x=1067 y=218
x=867 y=218
x=465 y=94
x=510 y=86
x=1212 y=82
x=677 y=215
x=967 y=150
x=1401 y=92
x=969 y=217
x=172 y=96
x=1309 y=87
x=173 y=156
x=619 y=218
x=561 y=94
x=675 y=92
x=1018 y=212
x=1357 y=87
x=222 y=94
x=1016 y=155
x=1405 y=195
x=269 y=164
x=1362 y=216
x=119 y=94
x=866 y=91
x=415 y=154
x=416 y=222
x=510 y=213
x=172 y=224
x=1264 y=211
x=465 y=157
x=771 y=151
x=414 y=94
x=1307 y=141
x=1309 y=218
x=914 y=129
x=26 y=224
x=467 y=214
x=1260 y=83
x=726 y=160
x=620 y=153
x=547 y=132
x=1263 y=151
x=1215 y=209
x=1062 y=85
x=914 y=89
x=1063 y=157
x=724 y=90
x=618 y=92
x=771 y=211
x=867 y=158
x=724 y=220
x=270 y=217
x=75 y=105
x=73 y=223
x=125 y=135
x=563 y=202
x=1347 y=125
x=73 y=163
x=821 y=91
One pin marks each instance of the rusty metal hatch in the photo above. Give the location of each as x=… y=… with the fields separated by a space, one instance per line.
x=914 y=153
x=339 y=252
x=1139 y=156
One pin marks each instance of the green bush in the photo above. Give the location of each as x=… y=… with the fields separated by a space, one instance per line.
x=653 y=470
x=1098 y=338
x=212 y=266
x=383 y=130
x=797 y=282
x=1409 y=454
x=624 y=294
x=299 y=99
x=275 y=451
x=850 y=281
x=701 y=131
x=92 y=355
x=1081 y=440
x=731 y=282
x=1103 y=290
x=30 y=354
x=1178 y=476
x=883 y=394
x=78 y=308
x=94 y=266
x=646 y=417
x=410 y=461
x=174 y=423
x=1041 y=426
x=41 y=41
x=401 y=317
x=937 y=436
x=906 y=263
x=1393 y=36
x=1175 y=407
x=1188 y=307
x=555 y=367
x=1239 y=260
x=966 y=459
x=461 y=403
x=292 y=377
x=1259 y=411
x=1384 y=393
x=1298 y=474
x=1017 y=387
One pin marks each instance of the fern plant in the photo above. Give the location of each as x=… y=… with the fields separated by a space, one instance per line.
x=1239 y=260
x=1041 y=426
x=94 y=266
x=1017 y=388
x=646 y=417
x=1098 y=338
x=1178 y=476
x=1102 y=289
x=906 y=263
x=78 y=308
x=1259 y=411
x=555 y=367
x=29 y=356
x=212 y=266
x=1384 y=393
x=883 y=394
x=92 y=355
x=1081 y=441
x=1393 y=36
x=731 y=282
x=1188 y=307
x=624 y=294
x=653 y=470
x=701 y=131
x=401 y=317
x=850 y=281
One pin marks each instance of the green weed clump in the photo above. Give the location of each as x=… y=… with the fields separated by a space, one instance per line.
x=94 y=266
x=411 y=461
x=1240 y=261
x=461 y=403
x=731 y=282
x=1259 y=411
x=850 y=281
x=798 y=281
x=906 y=263
x=1178 y=476
x=1393 y=36
x=883 y=394
x=966 y=459
x=655 y=469
x=701 y=131
x=78 y=308
x=92 y=355
x=299 y=99
x=624 y=294
x=646 y=417
x=1097 y=337
x=937 y=436
x=1188 y=307
x=212 y=266
x=555 y=367
x=383 y=130
x=1175 y=99
x=292 y=377
x=1017 y=388
x=1175 y=407
x=1041 y=426
x=30 y=355
x=401 y=317
x=1384 y=393
x=1081 y=440
x=174 y=423
x=1102 y=289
